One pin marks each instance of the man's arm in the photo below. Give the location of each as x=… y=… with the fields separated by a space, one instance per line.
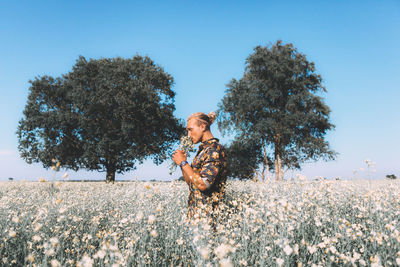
x=187 y=178
x=192 y=177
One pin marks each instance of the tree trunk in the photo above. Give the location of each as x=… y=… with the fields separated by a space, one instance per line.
x=255 y=176
x=280 y=174
x=110 y=178
x=263 y=172
x=265 y=163
x=276 y=168
x=278 y=162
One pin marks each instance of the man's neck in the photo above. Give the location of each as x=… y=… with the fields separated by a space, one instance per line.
x=206 y=136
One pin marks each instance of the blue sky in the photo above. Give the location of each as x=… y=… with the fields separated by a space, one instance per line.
x=203 y=45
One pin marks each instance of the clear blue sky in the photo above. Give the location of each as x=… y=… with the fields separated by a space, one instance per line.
x=203 y=45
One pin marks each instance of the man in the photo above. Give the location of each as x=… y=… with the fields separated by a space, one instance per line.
x=206 y=176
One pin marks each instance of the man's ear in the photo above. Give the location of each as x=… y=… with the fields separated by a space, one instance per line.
x=202 y=127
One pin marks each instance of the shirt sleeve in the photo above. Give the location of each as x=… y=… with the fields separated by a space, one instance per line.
x=211 y=167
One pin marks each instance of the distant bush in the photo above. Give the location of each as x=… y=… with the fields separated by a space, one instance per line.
x=391 y=176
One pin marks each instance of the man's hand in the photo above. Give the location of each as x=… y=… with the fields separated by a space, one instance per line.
x=178 y=156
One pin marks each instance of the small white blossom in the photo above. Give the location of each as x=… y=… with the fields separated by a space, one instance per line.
x=55 y=263
x=312 y=249
x=288 y=250
x=204 y=253
x=279 y=261
x=12 y=233
x=99 y=254
x=222 y=250
x=86 y=261
x=151 y=219
x=153 y=233
x=225 y=262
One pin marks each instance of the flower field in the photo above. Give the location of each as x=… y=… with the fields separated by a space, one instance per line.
x=290 y=223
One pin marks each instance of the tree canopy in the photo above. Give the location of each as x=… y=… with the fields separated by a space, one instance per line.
x=105 y=115
x=243 y=158
x=277 y=107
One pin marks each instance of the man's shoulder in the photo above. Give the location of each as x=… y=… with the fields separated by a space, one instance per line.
x=215 y=144
x=215 y=147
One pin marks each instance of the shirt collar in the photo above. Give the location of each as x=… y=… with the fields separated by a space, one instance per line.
x=208 y=142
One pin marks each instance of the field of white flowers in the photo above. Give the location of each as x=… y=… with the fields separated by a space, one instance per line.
x=290 y=223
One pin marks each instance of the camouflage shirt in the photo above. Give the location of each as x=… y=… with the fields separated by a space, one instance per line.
x=211 y=166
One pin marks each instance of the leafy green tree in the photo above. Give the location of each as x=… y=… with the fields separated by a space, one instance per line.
x=244 y=158
x=277 y=105
x=105 y=115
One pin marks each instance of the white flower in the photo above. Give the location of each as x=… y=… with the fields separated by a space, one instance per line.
x=159 y=207
x=50 y=252
x=99 y=254
x=296 y=249
x=301 y=177
x=225 y=263
x=356 y=256
x=30 y=258
x=187 y=146
x=86 y=261
x=139 y=216
x=222 y=250
x=375 y=261
x=54 y=263
x=333 y=249
x=196 y=238
x=36 y=238
x=279 y=261
x=312 y=249
x=153 y=233
x=243 y=262
x=288 y=250
x=12 y=233
x=206 y=227
x=318 y=222
x=38 y=227
x=54 y=241
x=113 y=248
x=151 y=219
x=204 y=253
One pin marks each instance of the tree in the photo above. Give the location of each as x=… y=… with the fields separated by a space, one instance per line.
x=244 y=158
x=276 y=105
x=106 y=115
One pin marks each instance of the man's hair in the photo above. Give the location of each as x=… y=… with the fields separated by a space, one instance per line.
x=203 y=118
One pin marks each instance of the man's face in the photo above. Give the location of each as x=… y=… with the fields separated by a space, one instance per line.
x=195 y=131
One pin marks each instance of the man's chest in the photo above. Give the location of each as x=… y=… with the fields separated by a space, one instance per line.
x=199 y=160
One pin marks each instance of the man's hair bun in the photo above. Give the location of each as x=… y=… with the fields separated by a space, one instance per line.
x=212 y=117
x=203 y=118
